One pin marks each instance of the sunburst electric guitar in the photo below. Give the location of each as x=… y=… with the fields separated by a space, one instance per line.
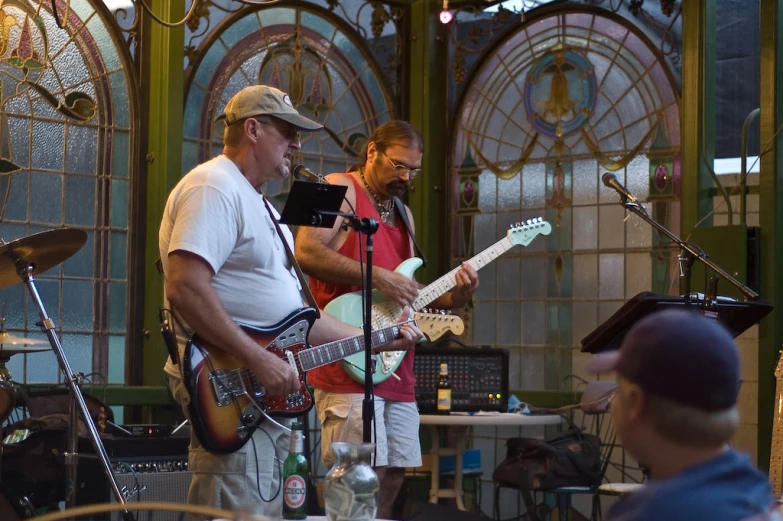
x=776 y=451
x=348 y=307
x=227 y=402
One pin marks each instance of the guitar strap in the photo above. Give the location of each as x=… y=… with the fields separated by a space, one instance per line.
x=398 y=204
x=167 y=324
x=302 y=281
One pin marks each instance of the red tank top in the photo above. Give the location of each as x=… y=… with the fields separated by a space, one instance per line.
x=391 y=246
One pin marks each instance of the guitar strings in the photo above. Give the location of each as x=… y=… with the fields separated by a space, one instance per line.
x=242 y=372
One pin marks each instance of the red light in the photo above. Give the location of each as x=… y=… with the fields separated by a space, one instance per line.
x=149 y=431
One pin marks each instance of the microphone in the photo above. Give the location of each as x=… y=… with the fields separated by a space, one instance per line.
x=302 y=173
x=611 y=181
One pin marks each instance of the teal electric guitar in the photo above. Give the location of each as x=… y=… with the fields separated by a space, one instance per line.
x=348 y=307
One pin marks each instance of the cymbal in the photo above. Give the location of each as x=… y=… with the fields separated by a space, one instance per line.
x=43 y=250
x=8 y=352
x=7 y=339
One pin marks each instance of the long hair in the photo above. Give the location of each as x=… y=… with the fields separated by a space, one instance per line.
x=395 y=132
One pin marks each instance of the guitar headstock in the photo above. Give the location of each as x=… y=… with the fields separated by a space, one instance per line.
x=523 y=233
x=435 y=325
x=779 y=368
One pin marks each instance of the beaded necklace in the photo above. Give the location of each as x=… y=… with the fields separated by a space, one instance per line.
x=384 y=209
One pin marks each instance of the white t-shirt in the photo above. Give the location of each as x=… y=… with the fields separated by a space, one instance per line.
x=215 y=213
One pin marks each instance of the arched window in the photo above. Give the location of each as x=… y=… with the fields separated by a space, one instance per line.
x=305 y=52
x=67 y=130
x=568 y=96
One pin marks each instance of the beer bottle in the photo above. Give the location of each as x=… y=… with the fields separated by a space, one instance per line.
x=444 y=390
x=295 y=476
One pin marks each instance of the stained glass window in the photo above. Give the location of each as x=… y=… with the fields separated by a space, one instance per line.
x=66 y=107
x=306 y=53
x=561 y=101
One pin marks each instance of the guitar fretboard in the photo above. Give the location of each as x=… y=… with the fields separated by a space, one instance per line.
x=327 y=353
x=448 y=281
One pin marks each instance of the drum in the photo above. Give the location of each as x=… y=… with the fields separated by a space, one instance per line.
x=11 y=345
x=7 y=395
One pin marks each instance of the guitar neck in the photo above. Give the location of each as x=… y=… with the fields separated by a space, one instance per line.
x=444 y=284
x=339 y=349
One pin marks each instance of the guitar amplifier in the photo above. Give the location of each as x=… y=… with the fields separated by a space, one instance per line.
x=478 y=377
x=146 y=469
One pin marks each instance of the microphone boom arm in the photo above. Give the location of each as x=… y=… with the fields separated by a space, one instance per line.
x=360 y=225
x=688 y=249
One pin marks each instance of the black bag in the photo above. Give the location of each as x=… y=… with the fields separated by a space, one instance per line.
x=571 y=458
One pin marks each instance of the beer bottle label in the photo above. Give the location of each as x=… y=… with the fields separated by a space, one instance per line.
x=294 y=491
x=444 y=399
x=297 y=442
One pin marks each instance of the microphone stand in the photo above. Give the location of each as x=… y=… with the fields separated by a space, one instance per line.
x=368 y=227
x=689 y=254
x=319 y=206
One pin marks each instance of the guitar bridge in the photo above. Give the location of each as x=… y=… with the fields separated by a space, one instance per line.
x=226 y=385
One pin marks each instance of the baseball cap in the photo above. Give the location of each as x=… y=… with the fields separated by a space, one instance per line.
x=680 y=355
x=258 y=100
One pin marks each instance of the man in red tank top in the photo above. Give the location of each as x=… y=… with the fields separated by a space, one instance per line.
x=389 y=162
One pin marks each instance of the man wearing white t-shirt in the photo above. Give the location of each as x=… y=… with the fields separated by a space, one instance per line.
x=224 y=262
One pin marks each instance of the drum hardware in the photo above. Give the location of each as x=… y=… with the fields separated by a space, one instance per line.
x=23 y=259
x=11 y=345
x=7 y=390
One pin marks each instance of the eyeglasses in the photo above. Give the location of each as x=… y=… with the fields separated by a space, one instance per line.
x=289 y=132
x=400 y=169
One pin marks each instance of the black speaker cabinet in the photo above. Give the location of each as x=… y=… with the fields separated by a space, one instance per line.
x=166 y=487
x=146 y=469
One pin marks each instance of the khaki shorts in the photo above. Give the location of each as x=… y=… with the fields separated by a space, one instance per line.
x=395 y=431
x=243 y=481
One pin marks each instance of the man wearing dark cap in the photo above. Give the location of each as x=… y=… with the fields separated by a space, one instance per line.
x=225 y=262
x=675 y=411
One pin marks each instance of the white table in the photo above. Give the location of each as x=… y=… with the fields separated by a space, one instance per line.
x=462 y=422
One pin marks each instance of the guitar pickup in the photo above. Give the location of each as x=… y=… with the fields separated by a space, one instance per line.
x=292 y=361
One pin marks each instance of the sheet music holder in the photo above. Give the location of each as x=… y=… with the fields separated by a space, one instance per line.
x=313 y=204
x=737 y=316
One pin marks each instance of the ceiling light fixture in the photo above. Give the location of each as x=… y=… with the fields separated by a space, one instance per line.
x=445 y=15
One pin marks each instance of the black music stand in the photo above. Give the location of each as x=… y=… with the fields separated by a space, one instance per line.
x=313 y=204
x=735 y=315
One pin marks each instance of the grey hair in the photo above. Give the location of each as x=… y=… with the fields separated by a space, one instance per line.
x=691 y=426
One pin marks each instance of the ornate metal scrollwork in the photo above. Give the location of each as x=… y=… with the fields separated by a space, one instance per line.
x=485 y=29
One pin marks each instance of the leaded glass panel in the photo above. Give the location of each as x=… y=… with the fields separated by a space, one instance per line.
x=303 y=51
x=563 y=98
x=65 y=113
